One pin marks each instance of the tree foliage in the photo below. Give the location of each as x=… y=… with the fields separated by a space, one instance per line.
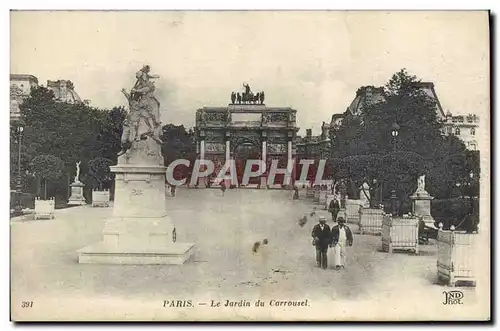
x=365 y=150
x=70 y=132
x=178 y=143
x=99 y=172
x=48 y=168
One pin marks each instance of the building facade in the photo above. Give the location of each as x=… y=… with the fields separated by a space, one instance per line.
x=64 y=90
x=20 y=88
x=464 y=127
x=21 y=85
x=246 y=131
x=315 y=147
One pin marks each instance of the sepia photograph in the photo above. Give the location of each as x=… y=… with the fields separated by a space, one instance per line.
x=249 y=165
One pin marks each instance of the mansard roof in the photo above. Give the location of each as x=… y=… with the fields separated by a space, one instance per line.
x=23 y=77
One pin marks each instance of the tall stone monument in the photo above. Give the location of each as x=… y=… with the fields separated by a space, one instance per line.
x=76 y=198
x=140 y=231
x=421 y=201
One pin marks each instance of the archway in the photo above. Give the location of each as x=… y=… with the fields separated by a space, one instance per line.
x=246 y=150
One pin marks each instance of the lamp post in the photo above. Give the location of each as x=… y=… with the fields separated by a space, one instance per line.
x=18 y=208
x=394 y=197
x=471 y=175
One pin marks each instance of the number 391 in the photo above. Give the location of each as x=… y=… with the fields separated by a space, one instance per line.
x=27 y=304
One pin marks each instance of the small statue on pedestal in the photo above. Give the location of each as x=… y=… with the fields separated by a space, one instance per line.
x=77 y=171
x=421 y=184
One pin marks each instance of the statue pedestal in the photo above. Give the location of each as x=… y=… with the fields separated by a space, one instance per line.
x=421 y=206
x=139 y=232
x=76 y=198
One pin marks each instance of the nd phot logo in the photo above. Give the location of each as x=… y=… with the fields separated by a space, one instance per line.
x=453 y=297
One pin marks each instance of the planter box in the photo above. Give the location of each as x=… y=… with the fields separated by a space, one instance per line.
x=45 y=208
x=100 y=198
x=370 y=220
x=316 y=195
x=352 y=210
x=399 y=233
x=456 y=257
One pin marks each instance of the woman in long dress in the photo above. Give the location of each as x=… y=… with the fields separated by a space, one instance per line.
x=341 y=239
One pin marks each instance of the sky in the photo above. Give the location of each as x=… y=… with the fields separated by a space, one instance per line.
x=312 y=61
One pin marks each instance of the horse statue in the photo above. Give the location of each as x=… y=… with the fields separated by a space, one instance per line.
x=249 y=97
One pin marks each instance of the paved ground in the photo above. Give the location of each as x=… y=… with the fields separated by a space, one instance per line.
x=44 y=258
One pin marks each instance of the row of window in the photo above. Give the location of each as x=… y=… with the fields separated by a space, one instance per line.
x=457 y=131
x=470 y=119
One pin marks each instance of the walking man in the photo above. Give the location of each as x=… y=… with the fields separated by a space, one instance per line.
x=223 y=187
x=334 y=208
x=321 y=240
x=341 y=238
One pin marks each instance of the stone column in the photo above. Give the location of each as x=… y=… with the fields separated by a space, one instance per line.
x=202 y=149
x=228 y=150
x=264 y=151
x=289 y=149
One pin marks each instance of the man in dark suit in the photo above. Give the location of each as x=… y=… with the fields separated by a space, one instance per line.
x=341 y=238
x=321 y=240
x=334 y=208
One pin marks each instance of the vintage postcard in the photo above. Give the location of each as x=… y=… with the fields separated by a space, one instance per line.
x=250 y=166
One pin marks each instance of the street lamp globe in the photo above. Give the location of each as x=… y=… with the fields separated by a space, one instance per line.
x=395 y=130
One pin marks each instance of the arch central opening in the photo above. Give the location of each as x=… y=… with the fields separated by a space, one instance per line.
x=244 y=151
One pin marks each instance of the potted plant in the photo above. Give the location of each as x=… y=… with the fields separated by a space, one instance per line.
x=457 y=240
x=47 y=168
x=400 y=233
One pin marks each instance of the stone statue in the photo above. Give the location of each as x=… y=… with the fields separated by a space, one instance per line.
x=238 y=96
x=248 y=95
x=143 y=81
x=261 y=97
x=233 y=97
x=143 y=119
x=248 y=91
x=77 y=170
x=421 y=184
